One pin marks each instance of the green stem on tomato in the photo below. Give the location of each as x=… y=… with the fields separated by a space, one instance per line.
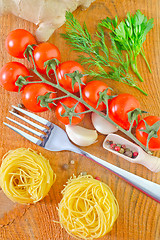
x=106 y=102
x=33 y=82
x=87 y=111
x=148 y=138
x=80 y=90
x=91 y=109
x=131 y=125
x=58 y=98
x=55 y=72
x=31 y=54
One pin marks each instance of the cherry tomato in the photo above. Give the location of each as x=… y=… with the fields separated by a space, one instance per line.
x=119 y=108
x=9 y=74
x=43 y=52
x=91 y=91
x=66 y=81
x=69 y=102
x=17 y=42
x=32 y=91
x=154 y=143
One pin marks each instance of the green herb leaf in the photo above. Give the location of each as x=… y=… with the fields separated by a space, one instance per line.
x=96 y=51
x=129 y=35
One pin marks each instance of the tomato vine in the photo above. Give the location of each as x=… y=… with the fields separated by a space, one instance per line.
x=52 y=64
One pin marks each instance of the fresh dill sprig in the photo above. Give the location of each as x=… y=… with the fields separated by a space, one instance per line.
x=97 y=54
x=129 y=35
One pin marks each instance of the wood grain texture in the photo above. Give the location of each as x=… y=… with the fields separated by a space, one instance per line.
x=139 y=217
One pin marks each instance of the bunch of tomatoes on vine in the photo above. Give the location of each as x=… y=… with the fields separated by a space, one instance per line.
x=80 y=96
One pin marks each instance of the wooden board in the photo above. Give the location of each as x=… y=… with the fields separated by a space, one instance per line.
x=139 y=215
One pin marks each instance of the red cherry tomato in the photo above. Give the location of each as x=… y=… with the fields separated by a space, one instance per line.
x=32 y=91
x=9 y=74
x=154 y=143
x=43 y=52
x=91 y=91
x=17 y=42
x=119 y=108
x=64 y=80
x=69 y=102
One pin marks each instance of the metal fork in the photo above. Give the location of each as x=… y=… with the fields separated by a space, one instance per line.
x=55 y=138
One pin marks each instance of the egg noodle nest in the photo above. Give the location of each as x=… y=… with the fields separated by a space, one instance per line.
x=88 y=208
x=25 y=176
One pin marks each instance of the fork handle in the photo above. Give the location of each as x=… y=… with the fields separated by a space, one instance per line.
x=149 y=188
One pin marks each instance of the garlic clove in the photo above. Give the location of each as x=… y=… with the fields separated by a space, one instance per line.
x=102 y=125
x=81 y=136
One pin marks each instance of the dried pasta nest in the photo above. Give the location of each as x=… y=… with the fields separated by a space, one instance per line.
x=25 y=176
x=88 y=208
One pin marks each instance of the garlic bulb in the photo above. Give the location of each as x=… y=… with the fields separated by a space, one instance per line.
x=102 y=125
x=81 y=136
x=48 y=15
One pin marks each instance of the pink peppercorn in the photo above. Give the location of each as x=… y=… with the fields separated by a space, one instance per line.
x=123 y=146
x=97 y=178
x=113 y=145
x=117 y=148
x=135 y=154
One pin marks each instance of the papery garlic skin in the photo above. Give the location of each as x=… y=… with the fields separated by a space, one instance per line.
x=81 y=136
x=48 y=15
x=102 y=125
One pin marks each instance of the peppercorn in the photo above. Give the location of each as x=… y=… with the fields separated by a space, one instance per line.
x=113 y=145
x=20 y=105
x=127 y=149
x=128 y=153
x=65 y=166
x=108 y=142
x=135 y=154
x=14 y=110
x=72 y=162
x=123 y=146
x=121 y=150
x=117 y=148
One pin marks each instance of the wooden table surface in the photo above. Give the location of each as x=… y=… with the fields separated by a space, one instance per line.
x=139 y=217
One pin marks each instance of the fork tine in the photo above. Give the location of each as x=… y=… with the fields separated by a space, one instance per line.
x=25 y=127
x=30 y=122
x=26 y=135
x=32 y=115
